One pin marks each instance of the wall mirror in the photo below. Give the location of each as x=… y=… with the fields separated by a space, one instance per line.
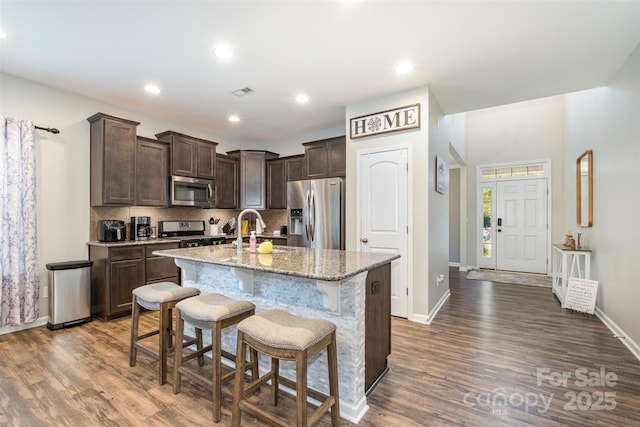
x=584 y=189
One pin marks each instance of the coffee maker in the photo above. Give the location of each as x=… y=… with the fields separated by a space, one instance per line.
x=140 y=227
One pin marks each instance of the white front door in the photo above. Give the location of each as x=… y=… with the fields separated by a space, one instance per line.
x=383 y=214
x=521 y=225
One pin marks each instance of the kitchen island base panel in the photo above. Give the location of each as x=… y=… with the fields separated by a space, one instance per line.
x=300 y=296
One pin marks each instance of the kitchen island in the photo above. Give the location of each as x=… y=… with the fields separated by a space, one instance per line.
x=351 y=289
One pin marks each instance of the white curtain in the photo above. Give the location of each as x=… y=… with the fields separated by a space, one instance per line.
x=20 y=290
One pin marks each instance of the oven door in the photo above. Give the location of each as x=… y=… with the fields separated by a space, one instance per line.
x=185 y=191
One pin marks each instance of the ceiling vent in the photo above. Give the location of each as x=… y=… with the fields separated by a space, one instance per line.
x=242 y=92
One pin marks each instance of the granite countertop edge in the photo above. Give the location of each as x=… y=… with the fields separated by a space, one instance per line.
x=287 y=272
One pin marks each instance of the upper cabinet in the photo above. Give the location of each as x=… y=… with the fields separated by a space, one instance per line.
x=190 y=156
x=113 y=160
x=227 y=181
x=253 y=182
x=279 y=172
x=325 y=158
x=152 y=170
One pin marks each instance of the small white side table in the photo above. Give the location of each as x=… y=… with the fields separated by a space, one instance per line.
x=562 y=257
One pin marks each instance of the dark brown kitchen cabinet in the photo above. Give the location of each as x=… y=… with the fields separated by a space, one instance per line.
x=227 y=181
x=159 y=268
x=377 y=324
x=190 y=156
x=295 y=167
x=325 y=158
x=118 y=270
x=253 y=177
x=113 y=156
x=152 y=171
x=279 y=172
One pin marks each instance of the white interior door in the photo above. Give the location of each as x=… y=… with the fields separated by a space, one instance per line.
x=521 y=225
x=383 y=179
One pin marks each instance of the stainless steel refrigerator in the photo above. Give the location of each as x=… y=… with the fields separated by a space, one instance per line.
x=315 y=213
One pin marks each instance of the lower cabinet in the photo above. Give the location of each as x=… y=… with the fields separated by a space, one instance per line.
x=117 y=271
x=377 y=325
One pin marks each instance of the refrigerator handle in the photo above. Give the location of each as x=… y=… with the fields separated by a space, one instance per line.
x=312 y=216
x=305 y=215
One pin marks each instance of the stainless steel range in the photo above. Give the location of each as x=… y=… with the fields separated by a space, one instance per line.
x=190 y=233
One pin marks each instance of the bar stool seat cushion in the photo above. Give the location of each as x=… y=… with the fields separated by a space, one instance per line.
x=202 y=310
x=279 y=329
x=151 y=296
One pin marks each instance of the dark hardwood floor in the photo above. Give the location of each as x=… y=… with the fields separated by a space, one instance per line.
x=496 y=355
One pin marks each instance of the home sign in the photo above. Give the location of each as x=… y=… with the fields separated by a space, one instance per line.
x=407 y=117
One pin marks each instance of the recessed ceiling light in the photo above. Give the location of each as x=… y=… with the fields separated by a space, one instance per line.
x=223 y=52
x=302 y=99
x=3 y=35
x=404 y=68
x=243 y=91
x=152 y=89
x=234 y=119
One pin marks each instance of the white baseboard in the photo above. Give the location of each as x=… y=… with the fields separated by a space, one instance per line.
x=454 y=264
x=619 y=333
x=36 y=323
x=421 y=318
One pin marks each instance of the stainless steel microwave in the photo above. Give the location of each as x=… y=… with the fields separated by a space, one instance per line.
x=196 y=192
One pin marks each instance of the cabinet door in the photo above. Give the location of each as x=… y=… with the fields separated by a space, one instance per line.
x=113 y=155
x=315 y=161
x=152 y=172
x=253 y=180
x=227 y=181
x=337 y=157
x=206 y=160
x=183 y=156
x=294 y=168
x=159 y=268
x=377 y=323
x=125 y=277
x=276 y=184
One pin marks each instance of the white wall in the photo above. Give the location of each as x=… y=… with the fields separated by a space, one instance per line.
x=532 y=130
x=438 y=233
x=63 y=163
x=607 y=120
x=420 y=169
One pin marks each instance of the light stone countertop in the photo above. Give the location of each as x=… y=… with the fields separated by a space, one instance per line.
x=317 y=264
x=134 y=242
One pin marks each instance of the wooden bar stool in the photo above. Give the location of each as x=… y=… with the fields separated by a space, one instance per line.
x=214 y=312
x=283 y=336
x=160 y=297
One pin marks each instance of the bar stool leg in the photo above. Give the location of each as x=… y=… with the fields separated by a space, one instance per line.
x=164 y=328
x=238 y=386
x=198 y=343
x=216 y=353
x=135 y=314
x=275 y=390
x=301 y=388
x=332 y=365
x=177 y=361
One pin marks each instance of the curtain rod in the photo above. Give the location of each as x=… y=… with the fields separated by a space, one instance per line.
x=52 y=130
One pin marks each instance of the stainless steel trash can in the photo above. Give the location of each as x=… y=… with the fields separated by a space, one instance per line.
x=69 y=293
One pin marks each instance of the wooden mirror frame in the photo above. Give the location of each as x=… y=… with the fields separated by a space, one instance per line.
x=588 y=156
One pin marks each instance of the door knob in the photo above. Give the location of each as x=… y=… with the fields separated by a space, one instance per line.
x=364 y=240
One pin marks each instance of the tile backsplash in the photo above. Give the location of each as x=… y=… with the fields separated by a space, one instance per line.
x=273 y=218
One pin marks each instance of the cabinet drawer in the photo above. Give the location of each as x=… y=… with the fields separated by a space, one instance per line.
x=161 y=268
x=159 y=247
x=130 y=252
